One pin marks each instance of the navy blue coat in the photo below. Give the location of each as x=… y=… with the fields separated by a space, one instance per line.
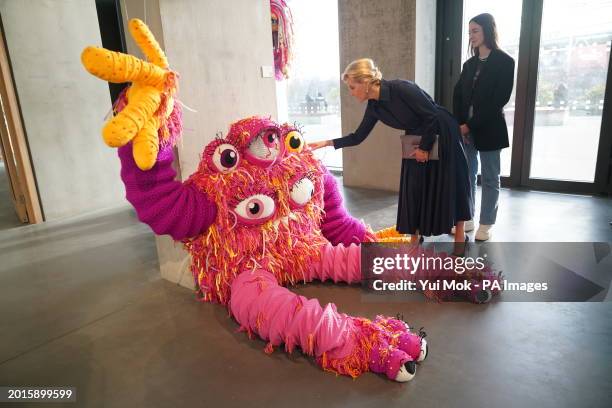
x=401 y=105
x=434 y=195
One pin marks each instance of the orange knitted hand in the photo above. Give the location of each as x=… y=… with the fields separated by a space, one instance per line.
x=149 y=98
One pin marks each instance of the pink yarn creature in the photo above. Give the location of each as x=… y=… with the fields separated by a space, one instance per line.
x=261 y=213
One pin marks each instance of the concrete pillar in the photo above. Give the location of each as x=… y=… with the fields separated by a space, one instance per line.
x=399 y=35
x=218 y=47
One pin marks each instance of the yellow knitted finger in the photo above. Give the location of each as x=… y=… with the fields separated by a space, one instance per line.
x=396 y=240
x=388 y=232
x=143 y=102
x=117 y=67
x=146 y=145
x=147 y=43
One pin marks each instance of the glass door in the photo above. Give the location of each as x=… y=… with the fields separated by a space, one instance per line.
x=573 y=58
x=560 y=113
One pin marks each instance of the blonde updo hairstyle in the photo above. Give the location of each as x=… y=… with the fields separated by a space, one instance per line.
x=364 y=71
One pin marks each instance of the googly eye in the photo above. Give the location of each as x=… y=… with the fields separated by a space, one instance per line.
x=264 y=148
x=294 y=142
x=225 y=158
x=302 y=191
x=255 y=209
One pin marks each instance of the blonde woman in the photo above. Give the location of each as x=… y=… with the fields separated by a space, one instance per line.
x=434 y=189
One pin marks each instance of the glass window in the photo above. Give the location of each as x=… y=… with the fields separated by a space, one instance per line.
x=311 y=95
x=573 y=65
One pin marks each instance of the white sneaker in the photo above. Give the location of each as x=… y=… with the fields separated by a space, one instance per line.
x=467 y=226
x=483 y=233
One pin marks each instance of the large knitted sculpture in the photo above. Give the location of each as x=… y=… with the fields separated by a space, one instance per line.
x=260 y=213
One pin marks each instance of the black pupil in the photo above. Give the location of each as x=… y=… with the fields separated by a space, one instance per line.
x=294 y=142
x=228 y=158
x=271 y=137
x=253 y=208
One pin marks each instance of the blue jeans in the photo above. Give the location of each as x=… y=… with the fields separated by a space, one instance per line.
x=489 y=170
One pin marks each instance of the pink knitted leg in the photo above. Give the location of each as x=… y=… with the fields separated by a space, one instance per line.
x=339 y=263
x=340 y=343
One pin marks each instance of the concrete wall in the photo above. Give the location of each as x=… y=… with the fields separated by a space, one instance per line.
x=149 y=12
x=397 y=35
x=218 y=48
x=425 y=45
x=63 y=107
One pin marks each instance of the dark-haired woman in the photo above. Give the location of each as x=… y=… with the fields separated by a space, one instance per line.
x=483 y=90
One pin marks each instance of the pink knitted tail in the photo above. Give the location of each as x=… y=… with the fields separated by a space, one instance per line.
x=340 y=343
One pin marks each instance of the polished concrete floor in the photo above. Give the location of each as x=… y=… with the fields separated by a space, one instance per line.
x=82 y=304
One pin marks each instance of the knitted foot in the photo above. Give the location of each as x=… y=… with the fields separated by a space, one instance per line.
x=394 y=350
x=373 y=350
x=413 y=344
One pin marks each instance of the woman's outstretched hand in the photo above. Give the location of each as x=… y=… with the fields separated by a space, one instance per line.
x=320 y=144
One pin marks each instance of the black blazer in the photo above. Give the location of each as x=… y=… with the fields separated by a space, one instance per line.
x=488 y=97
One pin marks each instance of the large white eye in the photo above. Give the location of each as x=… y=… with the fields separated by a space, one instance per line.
x=302 y=191
x=265 y=147
x=255 y=209
x=225 y=157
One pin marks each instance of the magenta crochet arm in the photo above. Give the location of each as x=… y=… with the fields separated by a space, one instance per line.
x=166 y=205
x=338 y=226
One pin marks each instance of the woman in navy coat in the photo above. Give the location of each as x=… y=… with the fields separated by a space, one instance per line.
x=434 y=195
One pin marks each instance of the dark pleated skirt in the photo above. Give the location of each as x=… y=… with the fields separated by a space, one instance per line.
x=434 y=195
